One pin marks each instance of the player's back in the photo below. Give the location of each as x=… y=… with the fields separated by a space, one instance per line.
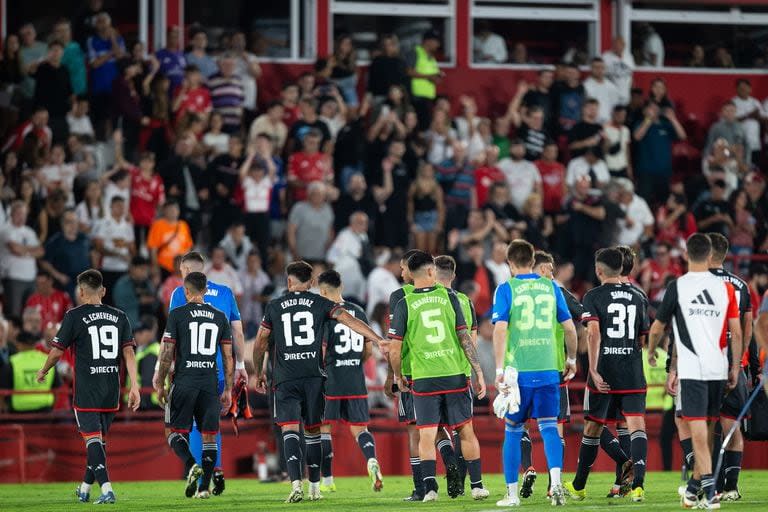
x=97 y=333
x=743 y=297
x=344 y=356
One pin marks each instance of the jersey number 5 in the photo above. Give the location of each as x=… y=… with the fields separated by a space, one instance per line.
x=431 y=320
x=106 y=336
x=203 y=336
x=304 y=323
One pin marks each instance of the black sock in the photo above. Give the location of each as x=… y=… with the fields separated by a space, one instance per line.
x=314 y=456
x=732 y=465
x=428 y=471
x=693 y=487
x=292 y=451
x=89 y=477
x=446 y=452
x=179 y=443
x=525 y=451
x=210 y=453
x=97 y=459
x=460 y=462
x=418 y=480
x=587 y=456
x=708 y=486
x=687 y=446
x=326 y=468
x=475 y=473
x=625 y=440
x=367 y=444
x=639 y=455
x=611 y=446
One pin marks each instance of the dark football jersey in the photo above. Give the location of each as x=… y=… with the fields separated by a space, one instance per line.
x=741 y=288
x=576 y=310
x=296 y=322
x=344 y=357
x=198 y=330
x=97 y=334
x=623 y=319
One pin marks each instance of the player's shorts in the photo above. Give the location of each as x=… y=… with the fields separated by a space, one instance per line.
x=608 y=407
x=565 y=405
x=300 y=401
x=450 y=410
x=405 y=412
x=91 y=423
x=538 y=402
x=700 y=399
x=735 y=399
x=352 y=411
x=188 y=404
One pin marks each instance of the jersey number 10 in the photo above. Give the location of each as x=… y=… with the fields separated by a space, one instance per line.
x=203 y=337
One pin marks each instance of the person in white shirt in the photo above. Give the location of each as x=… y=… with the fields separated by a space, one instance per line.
x=653 y=46
x=256 y=285
x=221 y=272
x=616 y=144
x=383 y=280
x=215 y=140
x=345 y=253
x=589 y=165
x=18 y=254
x=639 y=221
x=750 y=113
x=257 y=177
x=497 y=263
x=619 y=66
x=488 y=47
x=79 y=122
x=523 y=176
x=247 y=68
x=59 y=174
x=113 y=239
x=602 y=89
x=237 y=245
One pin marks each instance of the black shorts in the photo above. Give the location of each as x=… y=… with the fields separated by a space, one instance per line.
x=565 y=405
x=405 y=412
x=609 y=407
x=300 y=401
x=91 y=423
x=735 y=400
x=700 y=399
x=450 y=410
x=352 y=411
x=186 y=404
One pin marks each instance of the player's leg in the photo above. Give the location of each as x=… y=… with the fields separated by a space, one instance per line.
x=428 y=410
x=218 y=470
x=287 y=415
x=179 y=416
x=83 y=491
x=93 y=427
x=313 y=407
x=458 y=414
x=634 y=410
x=526 y=463
x=563 y=418
x=546 y=409
x=598 y=408
x=461 y=463
x=207 y=409
x=356 y=415
x=728 y=480
x=332 y=413
x=448 y=454
x=407 y=416
x=514 y=426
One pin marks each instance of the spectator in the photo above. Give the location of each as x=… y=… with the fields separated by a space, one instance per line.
x=656 y=272
x=440 y=138
x=744 y=231
x=356 y=198
x=341 y=69
x=20 y=249
x=750 y=113
x=488 y=47
x=659 y=94
x=486 y=174
x=383 y=280
x=333 y=112
x=729 y=128
x=191 y=95
x=223 y=174
x=616 y=144
x=722 y=58
x=198 y=56
x=352 y=256
x=456 y=176
x=134 y=291
x=11 y=70
x=422 y=67
x=568 y=98
x=310 y=225
x=674 y=223
x=387 y=69
x=237 y=246
x=256 y=287
x=653 y=156
x=50 y=302
x=308 y=165
x=497 y=263
x=78 y=122
x=53 y=89
x=270 y=123
x=529 y=122
x=67 y=253
x=91 y=209
x=31 y=52
x=541 y=96
x=114 y=243
x=588 y=132
x=220 y=271
x=698 y=57
x=482 y=227
x=585 y=212
x=215 y=140
x=85 y=20
x=553 y=187
x=714 y=214
x=48 y=222
x=32 y=323
x=522 y=176
x=32 y=135
x=637 y=226
x=116 y=182
x=309 y=121
x=168 y=238
x=227 y=93
x=652 y=46
x=289 y=97
x=426 y=210
x=73 y=58
x=15 y=376
x=147 y=193
x=606 y=93
x=520 y=55
x=619 y=65
x=126 y=105
x=722 y=164
x=474 y=269
x=588 y=165
x=56 y=174
x=105 y=47
x=247 y=68
x=185 y=183
x=506 y=216
x=258 y=176
x=171 y=58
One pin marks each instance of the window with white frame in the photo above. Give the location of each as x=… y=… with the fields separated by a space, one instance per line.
x=721 y=35
x=530 y=32
x=367 y=20
x=282 y=30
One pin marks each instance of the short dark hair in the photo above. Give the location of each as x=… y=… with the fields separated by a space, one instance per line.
x=597 y=59
x=138 y=261
x=329 y=278
x=628 y=262
x=116 y=199
x=719 y=246
x=743 y=81
x=196 y=282
x=193 y=256
x=56 y=42
x=191 y=68
x=699 y=247
x=540 y=257
x=408 y=255
x=611 y=259
x=591 y=101
x=91 y=279
x=301 y=270
x=446 y=264
x=420 y=260
x=520 y=253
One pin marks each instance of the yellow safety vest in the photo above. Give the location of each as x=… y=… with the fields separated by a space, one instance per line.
x=425 y=65
x=656 y=378
x=151 y=349
x=25 y=367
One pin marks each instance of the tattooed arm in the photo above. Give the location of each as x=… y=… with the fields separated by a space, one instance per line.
x=167 y=352
x=470 y=351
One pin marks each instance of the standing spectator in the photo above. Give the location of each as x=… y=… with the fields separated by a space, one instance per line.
x=619 y=66
x=16 y=377
x=11 y=71
x=440 y=138
x=497 y=262
x=390 y=180
x=310 y=225
x=78 y=122
x=91 y=209
x=31 y=52
x=308 y=165
x=553 y=187
x=171 y=58
x=487 y=174
x=105 y=47
x=309 y=121
x=224 y=175
x=147 y=194
x=387 y=69
x=247 y=68
x=227 y=94
x=456 y=176
x=36 y=129
x=198 y=55
x=237 y=246
x=256 y=285
x=742 y=239
x=653 y=157
x=191 y=96
x=659 y=94
x=49 y=219
x=579 y=236
x=215 y=140
x=67 y=253
x=568 y=97
x=652 y=47
x=750 y=114
x=522 y=176
x=341 y=69
x=126 y=105
x=589 y=166
x=113 y=241
x=588 y=132
x=73 y=58
x=426 y=210
x=506 y=215
x=20 y=249
x=134 y=291
x=616 y=144
x=425 y=74
x=51 y=303
x=540 y=95
x=714 y=214
x=637 y=226
x=57 y=174
x=529 y=122
x=674 y=223
x=356 y=198
x=168 y=238
x=351 y=255
x=85 y=21
x=289 y=97
x=730 y=129
x=220 y=271
x=187 y=184
x=597 y=86
x=270 y=123
x=53 y=90
x=488 y=47
x=257 y=178
x=656 y=272
x=384 y=279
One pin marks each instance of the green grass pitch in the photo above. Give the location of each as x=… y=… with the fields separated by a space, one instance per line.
x=355 y=494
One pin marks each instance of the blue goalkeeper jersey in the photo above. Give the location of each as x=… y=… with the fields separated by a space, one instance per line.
x=218 y=296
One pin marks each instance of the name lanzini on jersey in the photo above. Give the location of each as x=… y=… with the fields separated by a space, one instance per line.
x=197 y=313
x=301 y=301
x=100 y=315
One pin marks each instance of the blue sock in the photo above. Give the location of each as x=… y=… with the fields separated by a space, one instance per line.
x=196 y=443
x=553 y=446
x=511 y=452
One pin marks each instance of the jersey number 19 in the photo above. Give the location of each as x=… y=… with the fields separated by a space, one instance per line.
x=105 y=335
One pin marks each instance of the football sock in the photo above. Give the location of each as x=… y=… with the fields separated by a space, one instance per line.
x=732 y=465
x=292 y=451
x=180 y=446
x=625 y=440
x=327 y=445
x=88 y=478
x=693 y=487
x=428 y=470
x=475 y=473
x=611 y=446
x=639 y=454
x=97 y=459
x=106 y=487
x=418 y=480
x=687 y=446
x=587 y=456
x=446 y=452
x=553 y=447
x=367 y=444
x=210 y=454
x=460 y=462
x=708 y=486
x=314 y=456
x=511 y=452
x=525 y=451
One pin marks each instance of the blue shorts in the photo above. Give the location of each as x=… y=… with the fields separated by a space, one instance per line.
x=538 y=402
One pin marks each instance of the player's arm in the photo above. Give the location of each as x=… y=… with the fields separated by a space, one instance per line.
x=165 y=360
x=238 y=349
x=734 y=325
x=397 y=328
x=260 y=347
x=569 y=331
x=593 y=353
x=746 y=329
x=502 y=301
x=53 y=357
x=59 y=344
x=470 y=351
x=226 y=358
x=134 y=397
x=655 y=335
x=342 y=316
x=663 y=316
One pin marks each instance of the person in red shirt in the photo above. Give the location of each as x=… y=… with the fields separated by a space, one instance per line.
x=147 y=192
x=553 y=186
x=657 y=270
x=290 y=98
x=50 y=302
x=486 y=174
x=674 y=222
x=192 y=96
x=37 y=126
x=308 y=165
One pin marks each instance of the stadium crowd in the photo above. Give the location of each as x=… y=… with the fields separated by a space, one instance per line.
x=124 y=161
